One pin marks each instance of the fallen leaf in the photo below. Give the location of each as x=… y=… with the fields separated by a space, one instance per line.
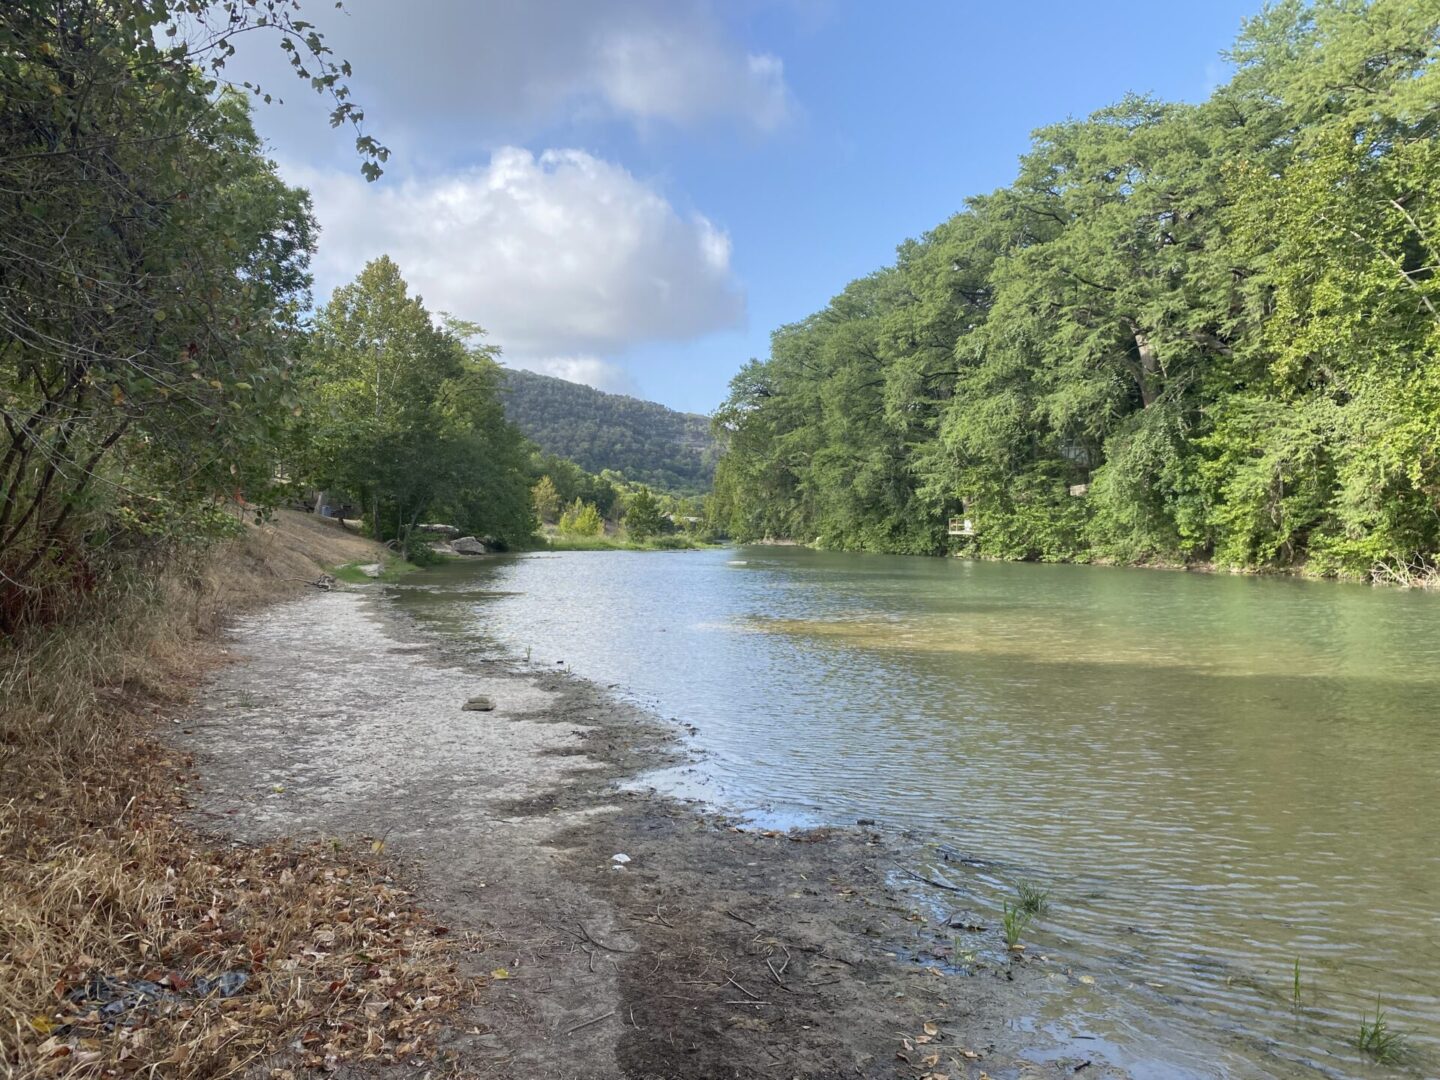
x=500 y=973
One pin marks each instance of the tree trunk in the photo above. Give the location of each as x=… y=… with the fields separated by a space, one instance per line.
x=1145 y=376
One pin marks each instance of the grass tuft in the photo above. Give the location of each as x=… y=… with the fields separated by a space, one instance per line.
x=391 y=569
x=1015 y=921
x=1378 y=1039
x=1033 y=900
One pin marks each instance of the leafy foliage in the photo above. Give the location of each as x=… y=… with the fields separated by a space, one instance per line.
x=1185 y=332
x=545 y=498
x=581 y=519
x=407 y=417
x=642 y=441
x=642 y=515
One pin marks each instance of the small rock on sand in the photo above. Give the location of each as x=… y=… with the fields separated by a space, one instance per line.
x=479 y=704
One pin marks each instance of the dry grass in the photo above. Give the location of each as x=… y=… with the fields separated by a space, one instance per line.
x=100 y=876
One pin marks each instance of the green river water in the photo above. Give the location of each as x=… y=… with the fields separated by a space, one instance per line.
x=1214 y=776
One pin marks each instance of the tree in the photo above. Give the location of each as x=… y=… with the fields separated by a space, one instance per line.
x=582 y=519
x=546 y=500
x=642 y=515
x=153 y=267
x=407 y=417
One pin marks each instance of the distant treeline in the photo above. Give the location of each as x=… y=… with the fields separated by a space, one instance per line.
x=1185 y=332
x=643 y=441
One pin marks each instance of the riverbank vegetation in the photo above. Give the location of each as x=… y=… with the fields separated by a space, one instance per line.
x=405 y=416
x=1184 y=333
x=158 y=383
x=114 y=913
x=618 y=514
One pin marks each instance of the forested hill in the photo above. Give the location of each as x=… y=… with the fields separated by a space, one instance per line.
x=642 y=440
x=1185 y=332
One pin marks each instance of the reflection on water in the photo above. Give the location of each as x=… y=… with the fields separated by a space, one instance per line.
x=1215 y=776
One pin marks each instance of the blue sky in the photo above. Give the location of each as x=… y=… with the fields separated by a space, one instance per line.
x=635 y=193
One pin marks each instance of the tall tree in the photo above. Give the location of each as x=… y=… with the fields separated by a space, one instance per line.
x=407 y=416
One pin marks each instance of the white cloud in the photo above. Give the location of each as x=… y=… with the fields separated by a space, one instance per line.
x=563 y=257
x=669 y=72
x=437 y=76
x=590 y=370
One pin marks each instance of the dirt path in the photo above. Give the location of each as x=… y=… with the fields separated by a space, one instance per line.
x=712 y=952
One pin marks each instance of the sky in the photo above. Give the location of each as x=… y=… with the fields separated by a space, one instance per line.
x=634 y=193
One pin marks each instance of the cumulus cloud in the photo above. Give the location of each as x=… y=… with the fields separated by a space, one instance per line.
x=563 y=257
x=590 y=370
x=669 y=72
x=441 y=74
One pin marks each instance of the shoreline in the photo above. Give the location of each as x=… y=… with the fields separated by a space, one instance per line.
x=1423 y=582
x=717 y=949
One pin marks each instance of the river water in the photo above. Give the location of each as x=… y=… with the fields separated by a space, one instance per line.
x=1214 y=776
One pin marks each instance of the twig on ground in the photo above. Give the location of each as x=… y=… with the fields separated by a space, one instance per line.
x=742 y=989
x=593 y=941
x=930 y=881
x=585 y=935
x=587 y=1023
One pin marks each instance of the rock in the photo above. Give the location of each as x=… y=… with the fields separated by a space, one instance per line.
x=622 y=858
x=373 y=569
x=479 y=704
x=468 y=545
x=449 y=532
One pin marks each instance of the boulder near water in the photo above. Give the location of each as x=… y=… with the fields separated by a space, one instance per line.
x=468 y=545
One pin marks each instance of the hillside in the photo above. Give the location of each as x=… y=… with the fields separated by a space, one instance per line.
x=643 y=440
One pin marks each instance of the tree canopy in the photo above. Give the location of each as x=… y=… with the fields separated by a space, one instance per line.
x=407 y=415
x=1184 y=332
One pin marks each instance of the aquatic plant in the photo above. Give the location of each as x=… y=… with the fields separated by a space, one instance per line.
x=1295 y=990
x=1378 y=1039
x=1016 y=920
x=1033 y=899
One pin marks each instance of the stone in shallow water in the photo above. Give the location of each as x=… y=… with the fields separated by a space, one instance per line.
x=479 y=704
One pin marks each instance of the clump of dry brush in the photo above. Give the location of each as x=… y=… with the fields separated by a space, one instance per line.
x=128 y=942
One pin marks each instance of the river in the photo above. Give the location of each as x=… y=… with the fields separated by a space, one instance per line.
x=1215 y=777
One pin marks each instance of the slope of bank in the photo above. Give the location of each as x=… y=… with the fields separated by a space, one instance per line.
x=128 y=940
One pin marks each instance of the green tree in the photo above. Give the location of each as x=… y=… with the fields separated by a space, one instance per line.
x=546 y=500
x=153 y=268
x=407 y=417
x=642 y=515
x=582 y=519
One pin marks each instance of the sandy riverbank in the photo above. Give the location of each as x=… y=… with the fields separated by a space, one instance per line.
x=717 y=950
